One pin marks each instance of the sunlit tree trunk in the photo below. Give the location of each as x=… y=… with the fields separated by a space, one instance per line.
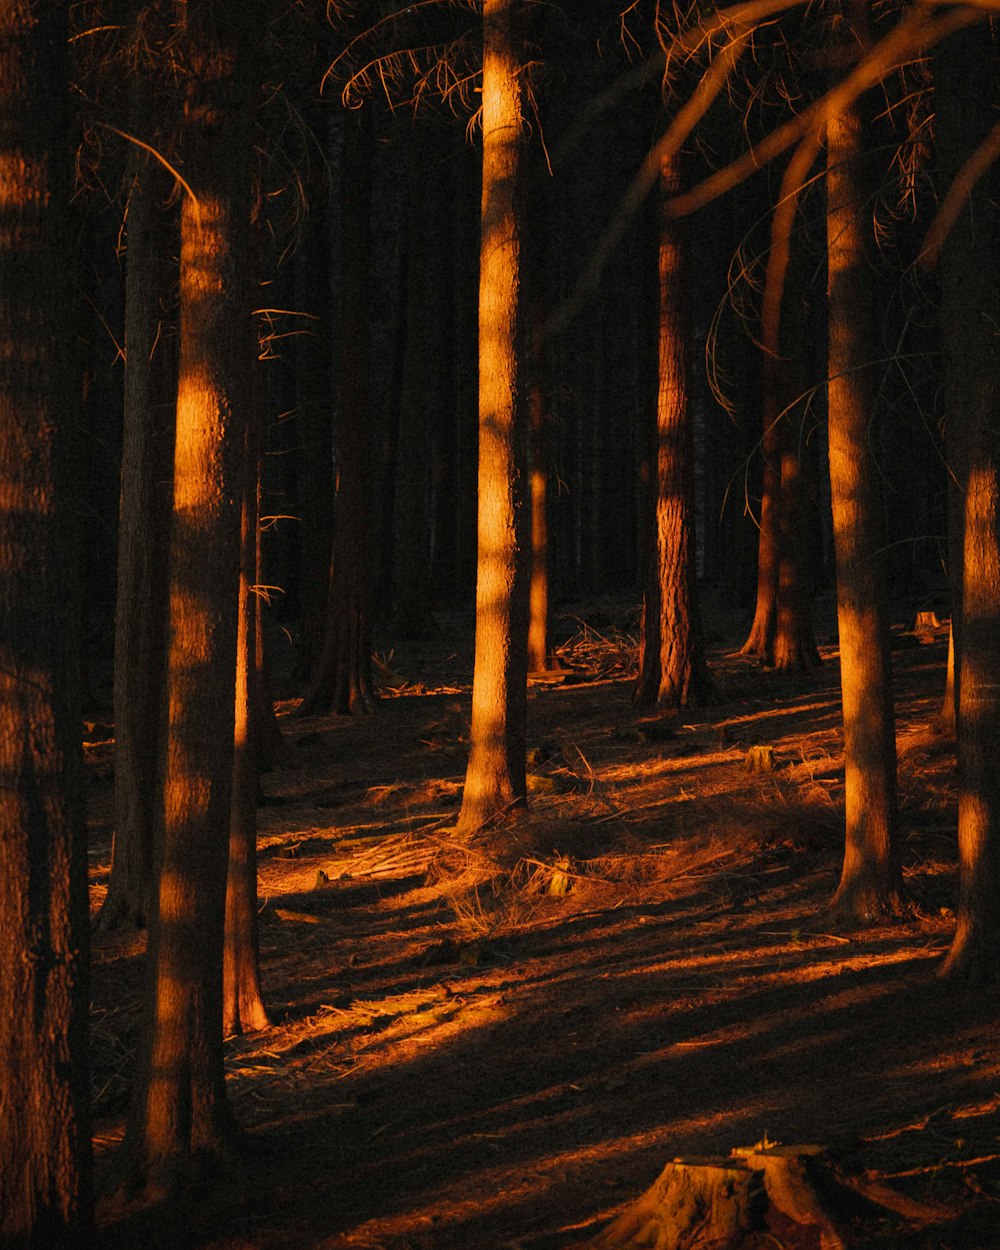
x=45 y=1195
x=495 y=778
x=965 y=89
x=144 y=524
x=342 y=682
x=673 y=672
x=871 y=880
x=179 y=1117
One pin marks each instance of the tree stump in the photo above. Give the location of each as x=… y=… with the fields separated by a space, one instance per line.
x=723 y=1203
x=715 y=1203
x=694 y=1204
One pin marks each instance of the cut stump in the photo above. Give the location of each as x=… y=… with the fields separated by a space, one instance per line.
x=720 y=1203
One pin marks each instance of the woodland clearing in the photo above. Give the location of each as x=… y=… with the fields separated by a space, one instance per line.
x=500 y=1042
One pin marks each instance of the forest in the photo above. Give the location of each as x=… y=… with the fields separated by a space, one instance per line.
x=499 y=624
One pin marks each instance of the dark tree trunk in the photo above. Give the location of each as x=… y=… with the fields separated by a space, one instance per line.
x=144 y=526
x=871 y=883
x=965 y=88
x=243 y=1009
x=422 y=402
x=342 y=682
x=45 y=1190
x=314 y=416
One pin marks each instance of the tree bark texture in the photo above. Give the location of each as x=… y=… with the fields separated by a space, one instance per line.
x=45 y=1189
x=965 y=89
x=495 y=777
x=143 y=528
x=871 y=880
x=673 y=671
x=179 y=1112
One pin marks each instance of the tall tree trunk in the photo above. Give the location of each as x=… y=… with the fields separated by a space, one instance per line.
x=673 y=671
x=871 y=883
x=423 y=369
x=780 y=633
x=342 y=682
x=243 y=1009
x=45 y=1191
x=495 y=777
x=179 y=1117
x=965 y=90
x=794 y=645
x=540 y=654
x=144 y=527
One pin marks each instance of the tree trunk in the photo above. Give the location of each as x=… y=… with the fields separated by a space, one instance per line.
x=424 y=369
x=243 y=1009
x=144 y=528
x=780 y=633
x=45 y=1192
x=495 y=778
x=179 y=1117
x=965 y=86
x=540 y=655
x=760 y=641
x=794 y=645
x=673 y=672
x=871 y=883
x=342 y=682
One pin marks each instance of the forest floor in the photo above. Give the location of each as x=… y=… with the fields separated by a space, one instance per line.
x=499 y=1043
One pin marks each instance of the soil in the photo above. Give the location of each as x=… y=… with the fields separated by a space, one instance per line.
x=500 y=1042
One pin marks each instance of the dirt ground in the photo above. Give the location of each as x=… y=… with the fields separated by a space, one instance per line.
x=500 y=1043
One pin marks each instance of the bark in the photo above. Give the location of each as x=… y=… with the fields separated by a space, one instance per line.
x=871 y=883
x=243 y=1009
x=144 y=527
x=965 y=87
x=495 y=777
x=342 y=682
x=45 y=1187
x=760 y=641
x=794 y=645
x=541 y=658
x=780 y=633
x=673 y=671
x=179 y=1119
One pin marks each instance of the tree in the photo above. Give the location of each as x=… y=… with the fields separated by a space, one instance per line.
x=45 y=1186
x=342 y=681
x=673 y=672
x=781 y=633
x=144 y=514
x=871 y=880
x=495 y=777
x=243 y=1009
x=179 y=1113
x=964 y=91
